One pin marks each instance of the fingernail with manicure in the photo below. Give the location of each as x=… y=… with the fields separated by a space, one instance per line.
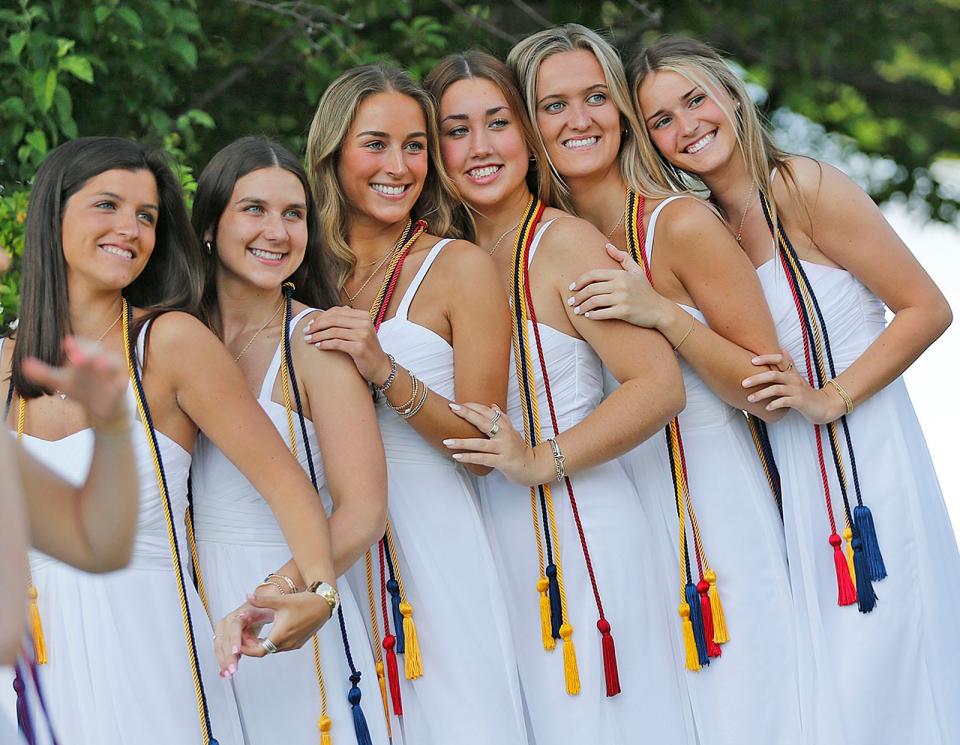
x=458 y=456
x=455 y=407
x=448 y=443
x=570 y=301
x=572 y=285
x=576 y=311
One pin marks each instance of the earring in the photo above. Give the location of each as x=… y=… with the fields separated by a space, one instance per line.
x=209 y=247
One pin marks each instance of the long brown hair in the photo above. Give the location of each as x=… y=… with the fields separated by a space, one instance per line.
x=476 y=64
x=335 y=114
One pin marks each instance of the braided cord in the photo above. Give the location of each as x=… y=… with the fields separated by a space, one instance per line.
x=148 y=428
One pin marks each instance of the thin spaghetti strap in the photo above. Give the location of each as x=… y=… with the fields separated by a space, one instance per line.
x=537 y=237
x=411 y=292
x=270 y=377
x=652 y=226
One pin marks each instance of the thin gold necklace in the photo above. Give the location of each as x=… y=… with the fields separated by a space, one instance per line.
x=751 y=195
x=496 y=245
x=252 y=338
x=63 y=396
x=619 y=223
x=391 y=252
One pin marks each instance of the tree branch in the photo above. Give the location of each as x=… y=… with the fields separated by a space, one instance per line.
x=485 y=25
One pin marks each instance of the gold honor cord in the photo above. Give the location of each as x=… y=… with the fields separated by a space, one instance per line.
x=413 y=667
x=146 y=420
x=701 y=611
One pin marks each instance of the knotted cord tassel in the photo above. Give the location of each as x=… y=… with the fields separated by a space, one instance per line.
x=866 y=597
x=610 y=672
x=545 y=621
x=23 y=708
x=556 y=610
x=393 y=587
x=413 y=665
x=570 y=672
x=382 y=682
x=846 y=592
x=389 y=642
x=36 y=628
x=713 y=649
x=720 y=634
x=689 y=643
x=868 y=534
x=848 y=550
x=324 y=725
x=354 y=695
x=696 y=618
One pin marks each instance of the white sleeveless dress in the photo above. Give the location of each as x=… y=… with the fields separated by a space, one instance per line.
x=652 y=706
x=239 y=542
x=892 y=675
x=749 y=693
x=118 y=669
x=469 y=693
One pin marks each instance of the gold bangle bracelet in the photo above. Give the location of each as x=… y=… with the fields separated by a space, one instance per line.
x=283 y=578
x=841 y=391
x=693 y=322
x=268 y=582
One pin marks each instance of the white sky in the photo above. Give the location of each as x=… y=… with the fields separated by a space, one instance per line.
x=932 y=380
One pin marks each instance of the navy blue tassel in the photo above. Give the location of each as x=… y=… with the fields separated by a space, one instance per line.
x=393 y=587
x=696 y=618
x=871 y=546
x=556 y=608
x=359 y=720
x=866 y=597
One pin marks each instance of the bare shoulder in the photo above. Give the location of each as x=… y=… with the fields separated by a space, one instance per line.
x=572 y=245
x=687 y=219
x=312 y=363
x=175 y=328
x=462 y=262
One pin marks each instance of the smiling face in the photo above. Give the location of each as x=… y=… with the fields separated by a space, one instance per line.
x=694 y=129
x=579 y=123
x=262 y=233
x=109 y=228
x=482 y=142
x=383 y=160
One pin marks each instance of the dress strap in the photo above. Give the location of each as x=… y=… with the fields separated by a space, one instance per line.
x=270 y=378
x=652 y=226
x=141 y=345
x=536 y=239
x=411 y=292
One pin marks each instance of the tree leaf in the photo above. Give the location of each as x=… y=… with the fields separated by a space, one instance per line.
x=131 y=18
x=78 y=66
x=44 y=86
x=37 y=139
x=182 y=46
x=18 y=41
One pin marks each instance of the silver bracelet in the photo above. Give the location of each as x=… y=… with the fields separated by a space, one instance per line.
x=390 y=378
x=415 y=409
x=558 y=460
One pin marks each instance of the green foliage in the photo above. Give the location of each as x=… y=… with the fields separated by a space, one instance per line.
x=13 y=215
x=192 y=75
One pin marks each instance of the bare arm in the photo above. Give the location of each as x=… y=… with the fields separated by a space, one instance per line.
x=13 y=555
x=212 y=393
x=849 y=230
x=343 y=414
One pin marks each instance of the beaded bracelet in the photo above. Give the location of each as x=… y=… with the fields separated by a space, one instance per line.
x=270 y=582
x=384 y=387
x=283 y=577
x=841 y=391
x=412 y=412
x=414 y=393
x=558 y=459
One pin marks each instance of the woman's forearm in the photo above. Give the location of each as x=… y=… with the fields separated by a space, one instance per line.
x=13 y=555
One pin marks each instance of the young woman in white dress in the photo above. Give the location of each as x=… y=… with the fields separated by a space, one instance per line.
x=597 y=575
x=109 y=251
x=891 y=672
x=254 y=212
x=90 y=526
x=440 y=334
x=709 y=305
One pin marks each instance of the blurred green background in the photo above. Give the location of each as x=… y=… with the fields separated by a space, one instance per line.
x=874 y=87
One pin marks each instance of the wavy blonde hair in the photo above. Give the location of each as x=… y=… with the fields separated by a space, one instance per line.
x=332 y=121
x=525 y=60
x=474 y=64
x=704 y=67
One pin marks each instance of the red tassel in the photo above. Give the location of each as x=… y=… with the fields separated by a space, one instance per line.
x=610 y=671
x=393 y=673
x=713 y=649
x=846 y=592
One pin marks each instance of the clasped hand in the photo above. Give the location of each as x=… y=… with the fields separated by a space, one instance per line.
x=788 y=389
x=344 y=329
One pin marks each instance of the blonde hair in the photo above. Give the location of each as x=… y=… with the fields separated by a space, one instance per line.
x=474 y=64
x=704 y=67
x=525 y=60
x=335 y=113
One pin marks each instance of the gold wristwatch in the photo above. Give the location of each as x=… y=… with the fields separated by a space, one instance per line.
x=328 y=592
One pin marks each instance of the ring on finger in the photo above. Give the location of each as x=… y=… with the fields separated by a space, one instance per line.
x=268 y=646
x=494 y=428
x=789 y=367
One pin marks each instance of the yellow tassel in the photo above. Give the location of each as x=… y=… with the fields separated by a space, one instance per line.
x=848 y=538
x=413 y=665
x=383 y=694
x=324 y=725
x=720 y=635
x=689 y=643
x=570 y=671
x=546 y=630
x=36 y=628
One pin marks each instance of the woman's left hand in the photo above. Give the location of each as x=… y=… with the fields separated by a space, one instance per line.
x=344 y=329
x=788 y=390
x=623 y=293
x=503 y=448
